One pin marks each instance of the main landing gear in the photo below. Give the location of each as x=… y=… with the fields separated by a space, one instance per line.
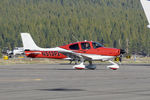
x=82 y=66
x=93 y=67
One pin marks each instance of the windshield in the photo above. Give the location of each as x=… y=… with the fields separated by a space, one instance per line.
x=96 y=45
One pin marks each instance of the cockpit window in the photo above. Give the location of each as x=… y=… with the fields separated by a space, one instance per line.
x=96 y=45
x=85 y=45
x=74 y=47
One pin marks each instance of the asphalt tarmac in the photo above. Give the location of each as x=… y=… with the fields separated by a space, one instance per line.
x=61 y=82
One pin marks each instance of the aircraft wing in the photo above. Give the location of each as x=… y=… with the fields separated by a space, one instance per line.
x=73 y=55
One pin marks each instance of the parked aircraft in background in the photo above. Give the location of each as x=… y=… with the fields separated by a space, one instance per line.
x=18 y=51
x=146 y=7
x=83 y=51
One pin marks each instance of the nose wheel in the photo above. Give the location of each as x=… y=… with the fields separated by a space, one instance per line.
x=114 y=66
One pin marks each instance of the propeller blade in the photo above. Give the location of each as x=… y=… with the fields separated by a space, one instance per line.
x=122 y=51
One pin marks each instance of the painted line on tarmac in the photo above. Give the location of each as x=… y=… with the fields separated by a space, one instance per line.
x=20 y=80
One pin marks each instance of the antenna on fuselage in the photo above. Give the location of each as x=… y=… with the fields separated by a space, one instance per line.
x=75 y=38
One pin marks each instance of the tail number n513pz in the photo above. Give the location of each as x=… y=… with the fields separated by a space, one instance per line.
x=50 y=53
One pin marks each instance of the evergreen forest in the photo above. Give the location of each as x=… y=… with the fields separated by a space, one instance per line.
x=114 y=23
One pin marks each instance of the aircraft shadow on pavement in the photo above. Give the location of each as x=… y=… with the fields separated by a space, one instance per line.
x=61 y=89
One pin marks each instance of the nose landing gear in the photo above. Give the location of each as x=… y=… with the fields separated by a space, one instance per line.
x=114 y=66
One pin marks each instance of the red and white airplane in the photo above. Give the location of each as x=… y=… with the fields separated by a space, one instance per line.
x=83 y=51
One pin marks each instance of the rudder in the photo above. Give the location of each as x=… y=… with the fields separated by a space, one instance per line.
x=146 y=7
x=28 y=42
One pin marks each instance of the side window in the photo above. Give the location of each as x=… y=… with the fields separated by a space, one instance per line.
x=74 y=47
x=96 y=45
x=85 y=45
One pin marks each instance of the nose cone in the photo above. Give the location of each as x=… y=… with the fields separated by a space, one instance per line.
x=122 y=51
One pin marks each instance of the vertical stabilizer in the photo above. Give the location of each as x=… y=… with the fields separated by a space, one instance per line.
x=28 y=42
x=146 y=7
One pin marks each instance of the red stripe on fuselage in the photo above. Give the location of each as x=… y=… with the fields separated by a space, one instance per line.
x=45 y=54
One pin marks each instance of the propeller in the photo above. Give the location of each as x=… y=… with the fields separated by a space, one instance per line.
x=122 y=51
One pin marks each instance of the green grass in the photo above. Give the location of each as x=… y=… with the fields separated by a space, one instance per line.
x=138 y=60
x=29 y=61
x=143 y=60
